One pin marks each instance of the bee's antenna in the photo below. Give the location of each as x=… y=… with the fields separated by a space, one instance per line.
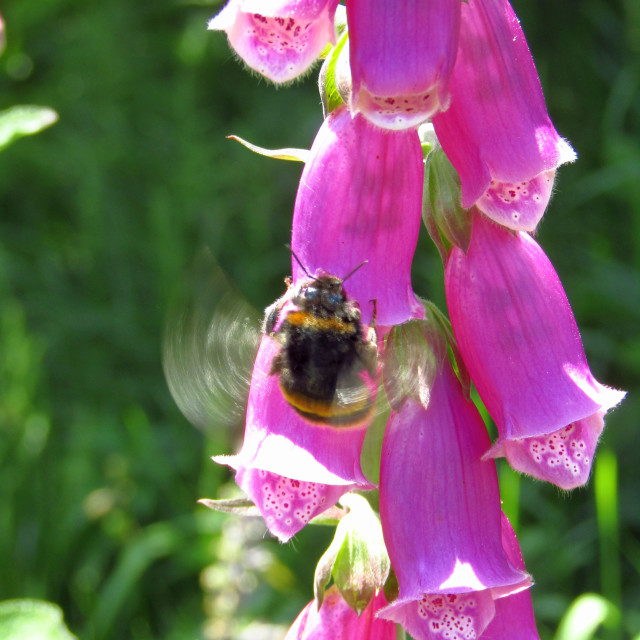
x=354 y=270
x=293 y=253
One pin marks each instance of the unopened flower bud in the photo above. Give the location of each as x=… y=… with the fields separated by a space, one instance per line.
x=357 y=558
x=447 y=222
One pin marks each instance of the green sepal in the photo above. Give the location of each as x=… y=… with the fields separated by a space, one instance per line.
x=357 y=558
x=446 y=221
x=24 y=120
x=237 y=506
x=291 y=154
x=329 y=94
x=246 y=508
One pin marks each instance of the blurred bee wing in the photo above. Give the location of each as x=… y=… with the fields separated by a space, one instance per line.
x=354 y=390
x=210 y=343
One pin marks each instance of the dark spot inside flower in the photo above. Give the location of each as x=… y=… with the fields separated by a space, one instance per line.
x=512 y=193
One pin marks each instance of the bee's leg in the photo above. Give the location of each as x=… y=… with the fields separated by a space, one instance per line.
x=368 y=349
x=272 y=312
x=276 y=364
x=271 y=315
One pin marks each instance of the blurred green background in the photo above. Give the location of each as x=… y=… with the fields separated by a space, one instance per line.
x=101 y=219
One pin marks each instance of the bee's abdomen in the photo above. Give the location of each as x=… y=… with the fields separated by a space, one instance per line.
x=318 y=354
x=327 y=410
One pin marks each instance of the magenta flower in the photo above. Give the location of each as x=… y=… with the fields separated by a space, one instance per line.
x=441 y=518
x=335 y=620
x=360 y=198
x=497 y=132
x=519 y=340
x=291 y=469
x=401 y=55
x=279 y=39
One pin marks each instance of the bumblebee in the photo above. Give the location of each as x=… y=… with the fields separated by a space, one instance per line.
x=211 y=339
x=323 y=351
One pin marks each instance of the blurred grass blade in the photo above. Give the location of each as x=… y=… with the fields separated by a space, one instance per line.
x=32 y=620
x=584 y=616
x=291 y=154
x=24 y=120
x=606 y=496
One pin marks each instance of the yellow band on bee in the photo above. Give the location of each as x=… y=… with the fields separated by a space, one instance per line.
x=305 y=319
x=323 y=411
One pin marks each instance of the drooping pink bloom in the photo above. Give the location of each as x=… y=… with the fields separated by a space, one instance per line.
x=520 y=343
x=291 y=469
x=401 y=55
x=335 y=620
x=360 y=198
x=497 y=132
x=441 y=518
x=279 y=39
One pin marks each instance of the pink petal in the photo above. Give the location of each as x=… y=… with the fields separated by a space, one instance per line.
x=562 y=457
x=514 y=613
x=497 y=132
x=452 y=616
x=280 y=441
x=337 y=621
x=401 y=55
x=279 y=39
x=360 y=199
x=519 y=340
x=439 y=502
x=286 y=505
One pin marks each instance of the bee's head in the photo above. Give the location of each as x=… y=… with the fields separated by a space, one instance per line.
x=324 y=291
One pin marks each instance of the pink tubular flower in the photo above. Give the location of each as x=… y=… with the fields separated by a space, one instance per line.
x=360 y=199
x=497 y=132
x=279 y=39
x=335 y=620
x=520 y=343
x=290 y=468
x=440 y=513
x=401 y=56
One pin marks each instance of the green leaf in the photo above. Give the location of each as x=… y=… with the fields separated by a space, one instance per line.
x=32 y=620
x=24 y=120
x=291 y=154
